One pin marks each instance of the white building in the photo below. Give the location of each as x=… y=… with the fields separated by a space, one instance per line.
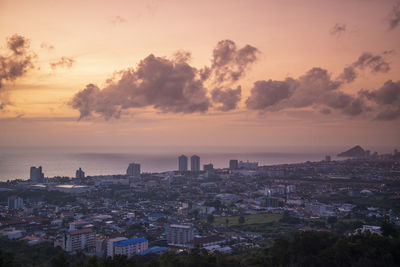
x=178 y=235
x=15 y=203
x=111 y=245
x=82 y=239
x=15 y=234
x=130 y=247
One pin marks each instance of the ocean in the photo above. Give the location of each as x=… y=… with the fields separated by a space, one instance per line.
x=15 y=162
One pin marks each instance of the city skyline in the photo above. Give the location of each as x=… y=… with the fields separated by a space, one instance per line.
x=284 y=74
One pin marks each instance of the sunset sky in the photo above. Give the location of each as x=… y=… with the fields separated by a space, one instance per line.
x=200 y=73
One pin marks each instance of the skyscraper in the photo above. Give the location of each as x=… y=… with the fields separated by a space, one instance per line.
x=80 y=174
x=195 y=163
x=183 y=163
x=36 y=175
x=133 y=170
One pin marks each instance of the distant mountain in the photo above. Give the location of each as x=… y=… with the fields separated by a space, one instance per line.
x=355 y=152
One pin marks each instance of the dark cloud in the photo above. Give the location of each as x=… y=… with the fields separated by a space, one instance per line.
x=265 y=94
x=387 y=100
x=46 y=46
x=338 y=29
x=18 y=44
x=388 y=94
x=367 y=60
x=314 y=89
x=16 y=64
x=66 y=62
x=166 y=85
x=228 y=99
x=349 y=74
x=394 y=18
x=229 y=63
x=170 y=85
x=375 y=63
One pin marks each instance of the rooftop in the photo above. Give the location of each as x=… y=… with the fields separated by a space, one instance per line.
x=180 y=226
x=131 y=241
x=80 y=231
x=153 y=250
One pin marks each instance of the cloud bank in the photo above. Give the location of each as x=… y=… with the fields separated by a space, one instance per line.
x=316 y=89
x=170 y=85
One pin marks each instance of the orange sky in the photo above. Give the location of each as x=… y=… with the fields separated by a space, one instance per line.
x=102 y=37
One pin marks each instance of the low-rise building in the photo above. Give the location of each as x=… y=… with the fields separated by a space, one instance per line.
x=130 y=247
x=110 y=251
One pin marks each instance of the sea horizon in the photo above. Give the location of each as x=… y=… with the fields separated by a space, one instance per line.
x=15 y=162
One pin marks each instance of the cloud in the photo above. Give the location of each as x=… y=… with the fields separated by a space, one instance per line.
x=15 y=63
x=166 y=85
x=229 y=63
x=266 y=94
x=228 y=99
x=387 y=100
x=170 y=85
x=338 y=29
x=116 y=20
x=318 y=91
x=66 y=62
x=46 y=46
x=394 y=18
x=367 y=60
x=375 y=63
x=315 y=89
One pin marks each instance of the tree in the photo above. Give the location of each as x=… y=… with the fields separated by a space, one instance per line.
x=60 y=260
x=389 y=229
x=6 y=259
x=93 y=262
x=241 y=220
x=332 y=220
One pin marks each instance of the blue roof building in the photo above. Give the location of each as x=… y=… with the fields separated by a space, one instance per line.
x=153 y=250
x=131 y=241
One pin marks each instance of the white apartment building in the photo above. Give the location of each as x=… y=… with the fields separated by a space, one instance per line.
x=82 y=239
x=178 y=235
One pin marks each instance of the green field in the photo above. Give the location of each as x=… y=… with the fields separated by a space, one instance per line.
x=249 y=219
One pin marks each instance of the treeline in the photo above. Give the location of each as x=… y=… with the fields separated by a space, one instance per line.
x=300 y=249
